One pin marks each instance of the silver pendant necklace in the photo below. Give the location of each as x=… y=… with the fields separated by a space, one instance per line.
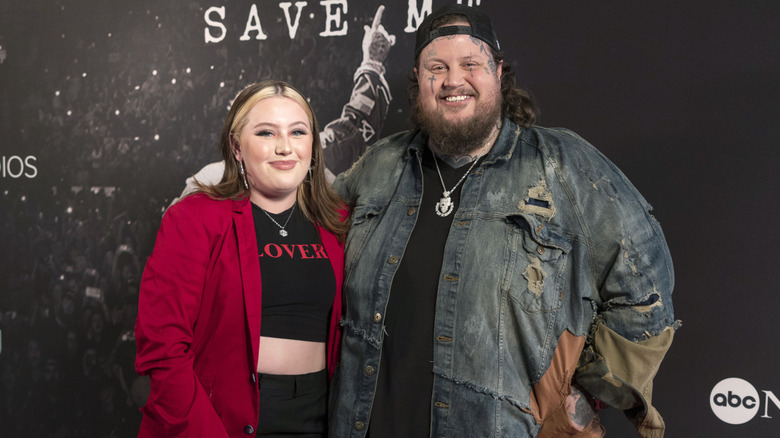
x=445 y=206
x=282 y=231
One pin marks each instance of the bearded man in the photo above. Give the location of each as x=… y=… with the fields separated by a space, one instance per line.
x=502 y=279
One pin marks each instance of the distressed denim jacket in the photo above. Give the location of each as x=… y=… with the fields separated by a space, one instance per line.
x=555 y=289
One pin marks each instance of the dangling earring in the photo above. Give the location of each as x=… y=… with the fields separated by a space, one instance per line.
x=311 y=178
x=243 y=174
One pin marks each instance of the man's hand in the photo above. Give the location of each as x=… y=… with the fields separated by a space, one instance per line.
x=376 y=41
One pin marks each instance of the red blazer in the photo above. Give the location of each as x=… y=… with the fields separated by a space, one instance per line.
x=198 y=326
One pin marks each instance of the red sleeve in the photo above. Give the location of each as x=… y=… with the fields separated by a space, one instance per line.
x=335 y=249
x=169 y=303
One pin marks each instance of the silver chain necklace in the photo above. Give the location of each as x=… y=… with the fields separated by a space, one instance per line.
x=282 y=231
x=445 y=206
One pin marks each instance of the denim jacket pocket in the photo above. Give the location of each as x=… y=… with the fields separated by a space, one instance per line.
x=536 y=263
x=364 y=220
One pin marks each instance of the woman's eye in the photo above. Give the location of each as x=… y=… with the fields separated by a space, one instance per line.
x=299 y=132
x=265 y=133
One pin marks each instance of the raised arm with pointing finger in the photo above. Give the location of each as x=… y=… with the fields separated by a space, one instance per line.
x=346 y=138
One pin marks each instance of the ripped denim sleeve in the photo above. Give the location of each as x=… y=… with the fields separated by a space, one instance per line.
x=630 y=283
x=633 y=326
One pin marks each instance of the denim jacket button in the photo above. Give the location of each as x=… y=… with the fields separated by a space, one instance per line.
x=393 y=260
x=370 y=370
x=377 y=317
x=540 y=250
x=359 y=425
x=411 y=211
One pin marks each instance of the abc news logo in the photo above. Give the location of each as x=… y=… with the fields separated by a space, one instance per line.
x=736 y=401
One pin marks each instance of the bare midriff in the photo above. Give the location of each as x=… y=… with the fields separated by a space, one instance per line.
x=290 y=356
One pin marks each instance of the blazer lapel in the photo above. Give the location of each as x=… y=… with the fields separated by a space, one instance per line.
x=249 y=265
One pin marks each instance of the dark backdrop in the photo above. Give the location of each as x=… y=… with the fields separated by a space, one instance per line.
x=106 y=107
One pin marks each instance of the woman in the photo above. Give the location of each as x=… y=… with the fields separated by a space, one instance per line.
x=223 y=362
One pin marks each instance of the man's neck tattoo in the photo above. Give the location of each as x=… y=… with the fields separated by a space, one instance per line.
x=456 y=162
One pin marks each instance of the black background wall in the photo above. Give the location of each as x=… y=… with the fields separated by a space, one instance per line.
x=106 y=107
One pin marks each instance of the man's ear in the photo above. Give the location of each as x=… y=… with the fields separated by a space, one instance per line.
x=418 y=73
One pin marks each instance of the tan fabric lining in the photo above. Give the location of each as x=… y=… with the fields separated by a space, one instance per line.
x=549 y=395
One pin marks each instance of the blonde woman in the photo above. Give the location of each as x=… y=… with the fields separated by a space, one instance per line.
x=241 y=297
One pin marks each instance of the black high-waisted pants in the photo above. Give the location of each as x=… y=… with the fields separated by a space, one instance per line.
x=293 y=406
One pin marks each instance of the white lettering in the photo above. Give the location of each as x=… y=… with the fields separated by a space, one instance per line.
x=253 y=24
x=21 y=166
x=31 y=166
x=292 y=28
x=470 y=3
x=335 y=17
x=415 y=17
x=769 y=395
x=221 y=12
x=15 y=166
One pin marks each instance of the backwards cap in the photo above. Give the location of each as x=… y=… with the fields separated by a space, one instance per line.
x=480 y=28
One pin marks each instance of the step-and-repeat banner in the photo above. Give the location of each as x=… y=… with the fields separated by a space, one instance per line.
x=107 y=107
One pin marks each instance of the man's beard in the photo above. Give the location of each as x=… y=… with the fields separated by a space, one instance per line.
x=463 y=137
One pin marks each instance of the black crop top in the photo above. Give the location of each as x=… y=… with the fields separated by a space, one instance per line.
x=298 y=281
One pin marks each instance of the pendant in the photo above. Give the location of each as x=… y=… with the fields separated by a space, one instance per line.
x=444 y=206
x=283 y=232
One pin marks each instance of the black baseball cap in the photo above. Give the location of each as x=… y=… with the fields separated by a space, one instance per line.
x=481 y=27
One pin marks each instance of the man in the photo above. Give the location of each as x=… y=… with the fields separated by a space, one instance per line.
x=502 y=279
x=362 y=118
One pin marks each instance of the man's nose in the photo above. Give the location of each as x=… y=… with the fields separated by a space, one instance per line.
x=454 y=78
